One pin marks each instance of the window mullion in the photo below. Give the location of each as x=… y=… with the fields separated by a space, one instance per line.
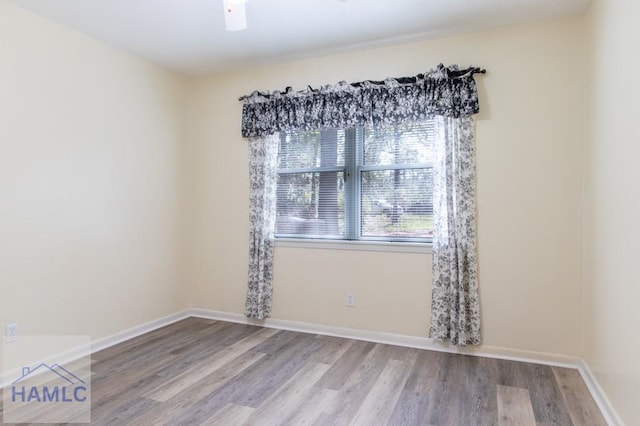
x=352 y=205
x=359 y=144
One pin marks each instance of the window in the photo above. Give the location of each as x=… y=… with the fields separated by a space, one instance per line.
x=357 y=184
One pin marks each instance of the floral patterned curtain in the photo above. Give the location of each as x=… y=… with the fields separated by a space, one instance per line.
x=455 y=307
x=263 y=181
x=446 y=92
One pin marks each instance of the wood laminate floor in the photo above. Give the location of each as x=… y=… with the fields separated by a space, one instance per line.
x=204 y=372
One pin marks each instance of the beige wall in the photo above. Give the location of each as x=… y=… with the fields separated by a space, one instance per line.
x=90 y=182
x=612 y=205
x=122 y=200
x=530 y=147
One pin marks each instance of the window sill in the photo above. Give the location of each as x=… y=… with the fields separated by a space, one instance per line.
x=380 y=246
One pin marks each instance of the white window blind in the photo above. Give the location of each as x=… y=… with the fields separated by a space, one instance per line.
x=357 y=184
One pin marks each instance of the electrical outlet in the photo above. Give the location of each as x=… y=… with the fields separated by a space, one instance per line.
x=11 y=332
x=350 y=300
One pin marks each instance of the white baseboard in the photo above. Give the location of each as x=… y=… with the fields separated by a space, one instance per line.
x=393 y=339
x=429 y=344
x=370 y=336
x=610 y=415
x=98 y=345
x=114 y=339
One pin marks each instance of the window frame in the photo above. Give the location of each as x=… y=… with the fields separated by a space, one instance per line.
x=353 y=168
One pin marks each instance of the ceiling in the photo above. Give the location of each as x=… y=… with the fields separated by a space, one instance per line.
x=188 y=36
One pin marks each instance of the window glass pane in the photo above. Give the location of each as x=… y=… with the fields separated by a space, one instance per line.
x=310 y=204
x=313 y=149
x=397 y=203
x=407 y=144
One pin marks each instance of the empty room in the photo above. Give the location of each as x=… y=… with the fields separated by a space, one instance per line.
x=328 y=212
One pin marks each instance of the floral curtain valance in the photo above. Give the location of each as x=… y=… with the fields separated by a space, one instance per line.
x=444 y=91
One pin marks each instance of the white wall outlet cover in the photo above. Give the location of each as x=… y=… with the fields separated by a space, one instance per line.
x=11 y=332
x=350 y=299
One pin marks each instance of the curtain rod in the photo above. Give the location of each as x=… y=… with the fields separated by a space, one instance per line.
x=450 y=73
